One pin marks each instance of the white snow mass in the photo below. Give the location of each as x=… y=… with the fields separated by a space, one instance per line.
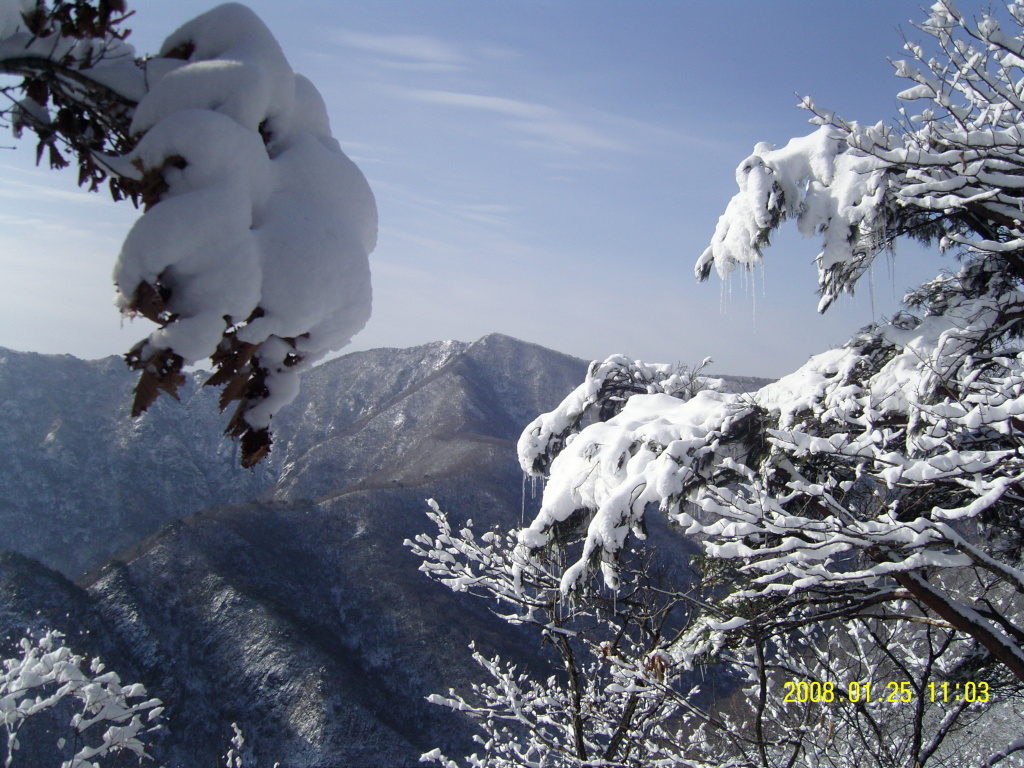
x=265 y=225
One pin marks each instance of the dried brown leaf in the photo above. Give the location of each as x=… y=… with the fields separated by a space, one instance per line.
x=255 y=446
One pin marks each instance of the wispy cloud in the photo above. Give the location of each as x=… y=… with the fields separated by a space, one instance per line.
x=438 y=209
x=497 y=104
x=543 y=125
x=458 y=75
x=22 y=190
x=487 y=213
x=406 y=51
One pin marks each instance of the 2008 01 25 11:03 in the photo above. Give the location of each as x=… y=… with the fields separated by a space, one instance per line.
x=895 y=692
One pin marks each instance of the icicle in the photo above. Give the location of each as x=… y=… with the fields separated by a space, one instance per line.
x=871 y=288
x=764 y=292
x=522 y=506
x=890 y=258
x=753 y=298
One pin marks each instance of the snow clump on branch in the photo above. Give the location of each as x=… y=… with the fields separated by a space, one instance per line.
x=261 y=235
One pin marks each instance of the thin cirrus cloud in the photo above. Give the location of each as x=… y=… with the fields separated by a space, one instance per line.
x=535 y=124
x=543 y=125
x=422 y=52
x=444 y=210
x=30 y=191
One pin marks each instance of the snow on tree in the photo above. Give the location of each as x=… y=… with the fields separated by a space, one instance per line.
x=253 y=248
x=882 y=478
x=619 y=695
x=109 y=719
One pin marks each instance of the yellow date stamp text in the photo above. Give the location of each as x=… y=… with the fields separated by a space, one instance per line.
x=803 y=691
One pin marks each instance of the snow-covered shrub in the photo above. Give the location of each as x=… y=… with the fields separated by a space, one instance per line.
x=611 y=696
x=108 y=718
x=253 y=249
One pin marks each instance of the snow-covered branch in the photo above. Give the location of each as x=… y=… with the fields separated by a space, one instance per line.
x=109 y=718
x=951 y=172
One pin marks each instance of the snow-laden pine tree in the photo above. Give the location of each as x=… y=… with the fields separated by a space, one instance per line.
x=253 y=248
x=871 y=499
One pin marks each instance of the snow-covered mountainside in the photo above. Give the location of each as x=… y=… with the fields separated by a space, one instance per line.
x=299 y=614
x=81 y=480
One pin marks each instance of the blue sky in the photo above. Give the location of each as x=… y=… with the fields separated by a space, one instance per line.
x=548 y=170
